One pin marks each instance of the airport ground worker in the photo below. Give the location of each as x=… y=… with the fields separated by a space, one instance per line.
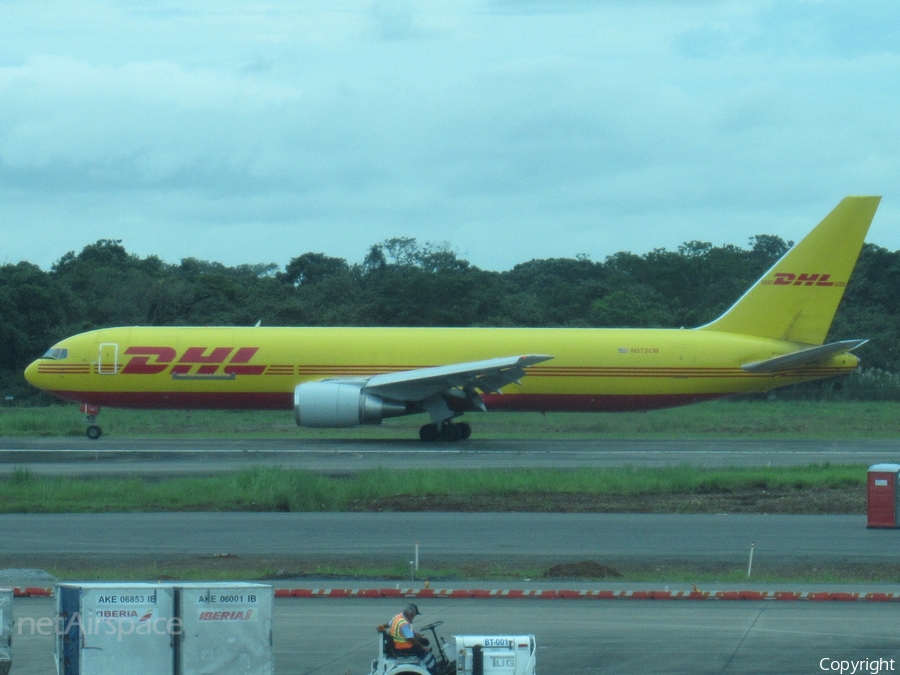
x=405 y=638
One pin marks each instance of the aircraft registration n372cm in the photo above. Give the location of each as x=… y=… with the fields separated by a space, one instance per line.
x=341 y=377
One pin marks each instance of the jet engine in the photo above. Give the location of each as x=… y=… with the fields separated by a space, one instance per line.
x=341 y=404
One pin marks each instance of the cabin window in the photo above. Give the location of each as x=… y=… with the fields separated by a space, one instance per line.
x=57 y=354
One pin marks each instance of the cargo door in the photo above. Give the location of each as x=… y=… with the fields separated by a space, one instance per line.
x=108 y=361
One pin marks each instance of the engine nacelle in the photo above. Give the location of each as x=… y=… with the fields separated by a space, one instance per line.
x=341 y=404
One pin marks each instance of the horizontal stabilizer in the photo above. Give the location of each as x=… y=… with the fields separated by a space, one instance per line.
x=489 y=376
x=801 y=358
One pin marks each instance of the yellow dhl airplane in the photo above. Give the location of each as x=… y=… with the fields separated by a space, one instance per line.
x=341 y=377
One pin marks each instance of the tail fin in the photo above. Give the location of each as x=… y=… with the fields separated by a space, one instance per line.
x=797 y=298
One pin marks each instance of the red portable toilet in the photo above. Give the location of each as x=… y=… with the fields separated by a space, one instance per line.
x=882 y=495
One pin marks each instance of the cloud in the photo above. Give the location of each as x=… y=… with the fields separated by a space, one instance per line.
x=512 y=130
x=393 y=20
x=88 y=127
x=831 y=27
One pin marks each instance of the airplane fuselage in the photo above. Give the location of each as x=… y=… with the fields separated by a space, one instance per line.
x=592 y=370
x=773 y=336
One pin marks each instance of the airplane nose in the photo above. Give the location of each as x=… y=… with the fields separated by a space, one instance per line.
x=31 y=374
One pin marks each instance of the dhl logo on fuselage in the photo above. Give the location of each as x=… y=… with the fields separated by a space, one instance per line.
x=791 y=279
x=198 y=361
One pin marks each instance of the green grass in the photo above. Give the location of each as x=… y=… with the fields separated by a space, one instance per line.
x=277 y=489
x=339 y=575
x=720 y=419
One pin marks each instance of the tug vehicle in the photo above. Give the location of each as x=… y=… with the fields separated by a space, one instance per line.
x=463 y=655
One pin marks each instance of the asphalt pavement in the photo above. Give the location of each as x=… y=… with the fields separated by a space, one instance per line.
x=337 y=637
x=158 y=458
x=574 y=636
x=391 y=536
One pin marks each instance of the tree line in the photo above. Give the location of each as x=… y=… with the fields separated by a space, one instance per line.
x=401 y=282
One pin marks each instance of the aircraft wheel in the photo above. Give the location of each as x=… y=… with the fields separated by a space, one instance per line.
x=464 y=431
x=94 y=432
x=451 y=433
x=428 y=433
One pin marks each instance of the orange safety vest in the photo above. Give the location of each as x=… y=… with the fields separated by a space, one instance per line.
x=400 y=641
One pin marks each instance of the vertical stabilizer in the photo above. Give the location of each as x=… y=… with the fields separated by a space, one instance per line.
x=797 y=298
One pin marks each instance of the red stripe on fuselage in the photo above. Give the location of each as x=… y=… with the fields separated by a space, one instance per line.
x=182 y=400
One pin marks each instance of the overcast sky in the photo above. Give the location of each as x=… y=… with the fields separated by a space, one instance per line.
x=245 y=132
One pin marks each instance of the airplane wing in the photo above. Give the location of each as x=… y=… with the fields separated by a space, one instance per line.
x=487 y=376
x=801 y=358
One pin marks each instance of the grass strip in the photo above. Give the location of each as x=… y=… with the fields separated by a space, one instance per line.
x=300 y=575
x=719 y=419
x=277 y=489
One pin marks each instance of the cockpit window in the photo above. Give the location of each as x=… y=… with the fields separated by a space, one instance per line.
x=57 y=354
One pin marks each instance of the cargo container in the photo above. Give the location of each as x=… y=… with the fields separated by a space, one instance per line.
x=111 y=629
x=226 y=629
x=6 y=628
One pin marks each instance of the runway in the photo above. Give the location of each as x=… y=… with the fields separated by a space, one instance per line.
x=160 y=458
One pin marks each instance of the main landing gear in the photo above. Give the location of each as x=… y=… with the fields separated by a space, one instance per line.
x=445 y=431
x=90 y=416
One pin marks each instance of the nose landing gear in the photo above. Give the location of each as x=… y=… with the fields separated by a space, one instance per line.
x=90 y=416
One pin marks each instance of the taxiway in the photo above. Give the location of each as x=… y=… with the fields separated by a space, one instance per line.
x=161 y=458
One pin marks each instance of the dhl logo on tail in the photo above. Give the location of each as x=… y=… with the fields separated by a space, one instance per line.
x=789 y=279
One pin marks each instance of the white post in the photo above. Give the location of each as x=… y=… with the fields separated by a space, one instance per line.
x=750 y=564
x=417 y=556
